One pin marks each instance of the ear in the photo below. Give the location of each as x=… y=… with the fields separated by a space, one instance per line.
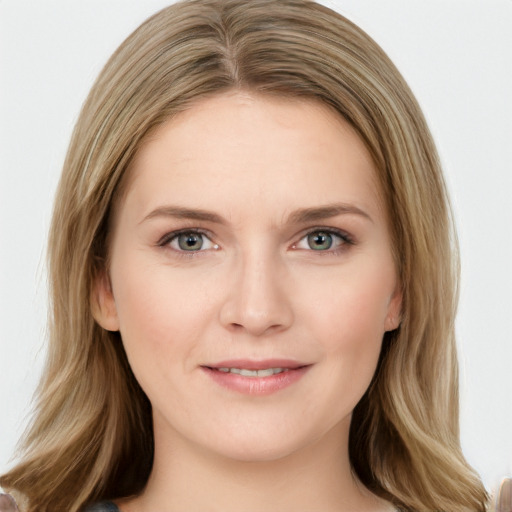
x=103 y=305
x=394 y=316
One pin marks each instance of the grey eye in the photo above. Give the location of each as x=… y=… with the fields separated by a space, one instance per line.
x=320 y=240
x=190 y=241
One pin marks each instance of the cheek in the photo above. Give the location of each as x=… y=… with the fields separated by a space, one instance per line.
x=350 y=307
x=348 y=320
x=158 y=316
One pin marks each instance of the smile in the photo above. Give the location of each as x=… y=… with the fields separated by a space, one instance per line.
x=253 y=373
x=256 y=377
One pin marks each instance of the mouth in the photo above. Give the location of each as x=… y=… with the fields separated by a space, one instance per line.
x=244 y=372
x=256 y=377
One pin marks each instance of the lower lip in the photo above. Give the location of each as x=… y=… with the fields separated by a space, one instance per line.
x=256 y=385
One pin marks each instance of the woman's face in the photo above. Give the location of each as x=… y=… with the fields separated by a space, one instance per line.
x=251 y=275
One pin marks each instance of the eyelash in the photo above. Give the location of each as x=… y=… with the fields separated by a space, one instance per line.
x=168 y=238
x=345 y=239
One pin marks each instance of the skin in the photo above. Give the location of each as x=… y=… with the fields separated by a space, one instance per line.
x=256 y=290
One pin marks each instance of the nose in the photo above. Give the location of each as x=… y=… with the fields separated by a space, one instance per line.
x=257 y=301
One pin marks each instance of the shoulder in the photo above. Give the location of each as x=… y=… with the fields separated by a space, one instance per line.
x=104 y=506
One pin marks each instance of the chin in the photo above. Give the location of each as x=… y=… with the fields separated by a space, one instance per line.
x=262 y=446
x=258 y=454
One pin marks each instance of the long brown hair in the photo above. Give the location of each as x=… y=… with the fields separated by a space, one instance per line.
x=91 y=437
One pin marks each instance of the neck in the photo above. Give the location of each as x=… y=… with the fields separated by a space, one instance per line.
x=316 y=477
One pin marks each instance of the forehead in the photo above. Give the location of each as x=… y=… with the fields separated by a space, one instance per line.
x=241 y=149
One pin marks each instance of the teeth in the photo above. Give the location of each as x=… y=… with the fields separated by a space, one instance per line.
x=253 y=373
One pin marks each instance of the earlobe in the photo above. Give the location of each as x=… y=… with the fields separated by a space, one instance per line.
x=394 y=316
x=103 y=304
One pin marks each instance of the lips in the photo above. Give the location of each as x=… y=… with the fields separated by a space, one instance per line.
x=253 y=364
x=256 y=377
x=267 y=372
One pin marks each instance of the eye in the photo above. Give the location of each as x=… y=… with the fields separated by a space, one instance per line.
x=188 y=241
x=322 y=240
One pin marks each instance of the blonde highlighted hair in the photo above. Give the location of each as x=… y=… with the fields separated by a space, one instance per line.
x=91 y=436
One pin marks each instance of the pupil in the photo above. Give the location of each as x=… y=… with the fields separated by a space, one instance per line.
x=320 y=241
x=190 y=242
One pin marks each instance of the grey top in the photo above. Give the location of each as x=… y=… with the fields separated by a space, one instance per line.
x=104 y=506
x=108 y=506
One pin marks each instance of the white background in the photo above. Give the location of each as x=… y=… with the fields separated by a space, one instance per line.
x=457 y=57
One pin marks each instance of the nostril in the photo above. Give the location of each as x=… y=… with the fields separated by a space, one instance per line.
x=256 y=305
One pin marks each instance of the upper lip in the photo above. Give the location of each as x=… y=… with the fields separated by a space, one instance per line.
x=257 y=364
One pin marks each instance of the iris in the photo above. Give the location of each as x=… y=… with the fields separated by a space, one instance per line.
x=320 y=241
x=190 y=241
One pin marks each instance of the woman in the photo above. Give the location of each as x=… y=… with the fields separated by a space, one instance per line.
x=253 y=278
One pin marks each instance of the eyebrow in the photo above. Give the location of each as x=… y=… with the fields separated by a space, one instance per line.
x=179 y=212
x=325 y=212
x=300 y=216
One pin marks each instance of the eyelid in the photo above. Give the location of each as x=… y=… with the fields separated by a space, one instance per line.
x=165 y=241
x=346 y=239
